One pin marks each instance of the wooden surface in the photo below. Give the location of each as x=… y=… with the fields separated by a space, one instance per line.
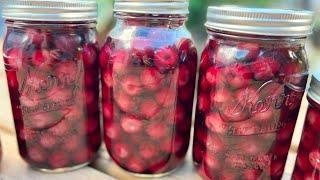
x=14 y=168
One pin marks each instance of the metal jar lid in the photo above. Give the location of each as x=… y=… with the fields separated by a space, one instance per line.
x=314 y=90
x=259 y=21
x=50 y=10
x=152 y=6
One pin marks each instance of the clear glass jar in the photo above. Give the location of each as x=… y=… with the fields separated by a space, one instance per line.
x=307 y=162
x=251 y=84
x=52 y=72
x=148 y=77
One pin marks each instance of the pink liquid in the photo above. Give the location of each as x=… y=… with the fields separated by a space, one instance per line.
x=53 y=83
x=249 y=97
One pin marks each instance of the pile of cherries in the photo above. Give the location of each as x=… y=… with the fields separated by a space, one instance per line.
x=307 y=163
x=249 y=96
x=54 y=87
x=147 y=102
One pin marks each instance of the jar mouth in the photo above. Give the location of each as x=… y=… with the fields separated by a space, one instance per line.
x=54 y=24
x=260 y=21
x=152 y=7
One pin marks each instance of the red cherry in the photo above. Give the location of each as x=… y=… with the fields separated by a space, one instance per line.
x=303 y=162
x=67 y=72
x=68 y=42
x=37 y=154
x=233 y=111
x=166 y=97
x=83 y=155
x=212 y=162
x=205 y=61
x=203 y=103
x=204 y=84
x=314 y=158
x=311 y=175
x=186 y=94
x=112 y=130
x=211 y=75
x=251 y=174
x=227 y=175
x=92 y=125
x=104 y=56
x=308 y=139
x=249 y=51
x=108 y=111
x=238 y=75
x=297 y=175
x=13 y=58
x=184 y=75
x=124 y=101
x=42 y=120
x=149 y=108
x=147 y=150
x=89 y=55
x=285 y=133
x=120 y=60
x=47 y=140
x=58 y=94
x=36 y=37
x=184 y=45
x=27 y=134
x=214 y=144
x=295 y=73
x=313 y=119
x=12 y=79
x=132 y=85
x=136 y=165
x=265 y=115
x=265 y=68
x=39 y=57
x=72 y=143
x=58 y=159
x=251 y=146
x=281 y=149
x=277 y=168
x=151 y=78
x=248 y=96
x=60 y=129
x=166 y=58
x=157 y=130
x=221 y=95
x=180 y=115
x=121 y=150
x=131 y=124
x=215 y=124
x=107 y=78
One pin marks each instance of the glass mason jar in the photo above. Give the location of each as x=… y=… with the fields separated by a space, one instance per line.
x=148 y=67
x=253 y=74
x=51 y=57
x=307 y=163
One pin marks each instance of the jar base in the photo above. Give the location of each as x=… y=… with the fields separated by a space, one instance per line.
x=61 y=170
x=153 y=175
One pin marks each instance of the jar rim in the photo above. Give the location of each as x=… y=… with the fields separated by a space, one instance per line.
x=260 y=21
x=50 y=10
x=152 y=6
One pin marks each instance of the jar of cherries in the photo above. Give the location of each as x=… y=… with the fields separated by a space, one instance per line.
x=148 y=65
x=51 y=57
x=253 y=73
x=307 y=163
